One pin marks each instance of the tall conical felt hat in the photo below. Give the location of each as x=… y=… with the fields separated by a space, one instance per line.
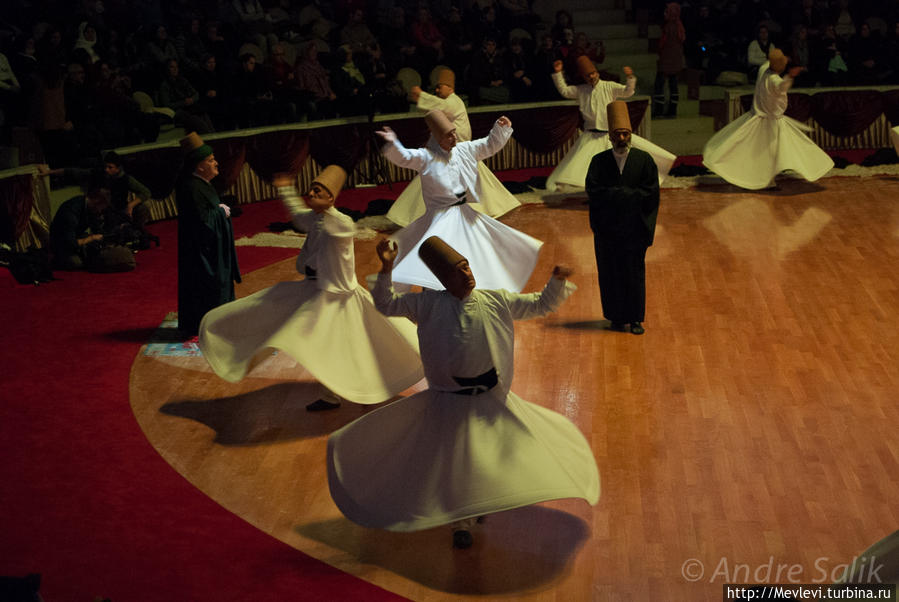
x=619 y=117
x=447 y=78
x=439 y=257
x=333 y=177
x=193 y=149
x=439 y=123
x=585 y=66
x=777 y=59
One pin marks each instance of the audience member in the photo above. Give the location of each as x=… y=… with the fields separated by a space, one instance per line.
x=757 y=53
x=177 y=93
x=356 y=33
x=671 y=62
x=518 y=73
x=349 y=84
x=427 y=36
x=487 y=77
x=214 y=97
x=312 y=77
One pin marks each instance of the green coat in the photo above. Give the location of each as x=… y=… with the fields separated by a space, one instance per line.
x=207 y=260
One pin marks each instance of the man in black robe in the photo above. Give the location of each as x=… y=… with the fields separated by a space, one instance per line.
x=207 y=260
x=623 y=186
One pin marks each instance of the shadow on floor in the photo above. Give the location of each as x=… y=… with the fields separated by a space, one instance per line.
x=267 y=415
x=513 y=551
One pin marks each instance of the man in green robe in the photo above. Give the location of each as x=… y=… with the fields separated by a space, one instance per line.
x=207 y=260
x=623 y=187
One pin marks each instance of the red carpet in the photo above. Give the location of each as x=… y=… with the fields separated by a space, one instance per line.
x=84 y=499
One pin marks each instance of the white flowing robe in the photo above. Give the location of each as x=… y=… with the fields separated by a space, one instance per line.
x=592 y=101
x=751 y=150
x=500 y=257
x=438 y=457
x=328 y=324
x=496 y=200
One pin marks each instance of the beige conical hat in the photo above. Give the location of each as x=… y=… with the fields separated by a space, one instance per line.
x=439 y=257
x=777 y=59
x=585 y=66
x=193 y=149
x=333 y=177
x=447 y=78
x=439 y=123
x=619 y=117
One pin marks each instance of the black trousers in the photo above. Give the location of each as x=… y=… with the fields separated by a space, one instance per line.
x=622 y=281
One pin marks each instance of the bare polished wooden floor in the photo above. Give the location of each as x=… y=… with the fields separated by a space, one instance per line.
x=749 y=432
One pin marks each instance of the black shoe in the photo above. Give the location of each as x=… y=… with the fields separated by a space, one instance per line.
x=321 y=405
x=617 y=326
x=462 y=539
x=637 y=328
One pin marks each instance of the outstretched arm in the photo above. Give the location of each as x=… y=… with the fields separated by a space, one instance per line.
x=559 y=80
x=399 y=155
x=532 y=305
x=495 y=140
x=386 y=299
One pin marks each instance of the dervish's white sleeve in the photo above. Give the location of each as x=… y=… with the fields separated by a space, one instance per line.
x=532 y=305
x=301 y=215
x=780 y=85
x=492 y=144
x=629 y=88
x=430 y=102
x=563 y=88
x=391 y=303
x=410 y=158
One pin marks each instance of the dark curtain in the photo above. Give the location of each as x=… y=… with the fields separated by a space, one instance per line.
x=231 y=156
x=541 y=131
x=799 y=106
x=278 y=152
x=16 y=199
x=157 y=169
x=891 y=106
x=637 y=110
x=342 y=145
x=848 y=112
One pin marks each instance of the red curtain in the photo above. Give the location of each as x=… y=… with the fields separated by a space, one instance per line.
x=16 y=199
x=277 y=152
x=231 y=156
x=847 y=113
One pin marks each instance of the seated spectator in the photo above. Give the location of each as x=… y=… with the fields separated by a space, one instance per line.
x=488 y=27
x=282 y=81
x=312 y=77
x=123 y=123
x=77 y=239
x=191 y=48
x=214 y=98
x=254 y=97
x=834 y=69
x=255 y=24
x=757 y=53
x=177 y=93
x=517 y=14
x=84 y=51
x=518 y=73
x=563 y=21
x=844 y=24
x=349 y=84
x=459 y=43
x=865 y=57
x=50 y=49
x=55 y=132
x=802 y=55
x=387 y=93
x=82 y=110
x=356 y=33
x=487 y=75
x=427 y=36
x=545 y=55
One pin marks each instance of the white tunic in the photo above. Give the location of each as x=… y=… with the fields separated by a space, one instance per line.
x=500 y=257
x=752 y=149
x=592 y=101
x=328 y=324
x=496 y=200
x=437 y=457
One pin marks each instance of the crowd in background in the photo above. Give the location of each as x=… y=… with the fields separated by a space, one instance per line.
x=69 y=70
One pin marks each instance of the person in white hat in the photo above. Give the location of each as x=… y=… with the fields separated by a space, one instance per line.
x=593 y=97
x=496 y=200
x=623 y=188
x=207 y=260
x=327 y=322
x=467 y=446
x=501 y=257
x=751 y=150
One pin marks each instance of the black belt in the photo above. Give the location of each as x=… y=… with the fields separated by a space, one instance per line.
x=598 y=131
x=477 y=384
x=310 y=273
x=463 y=198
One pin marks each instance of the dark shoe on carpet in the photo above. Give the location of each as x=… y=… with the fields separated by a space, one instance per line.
x=637 y=328
x=617 y=326
x=462 y=539
x=321 y=405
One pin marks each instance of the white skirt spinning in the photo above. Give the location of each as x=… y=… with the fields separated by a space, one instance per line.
x=341 y=338
x=572 y=169
x=434 y=458
x=751 y=150
x=500 y=257
x=496 y=200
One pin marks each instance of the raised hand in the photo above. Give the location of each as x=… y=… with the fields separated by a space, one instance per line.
x=387 y=252
x=504 y=122
x=628 y=71
x=386 y=134
x=557 y=66
x=562 y=272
